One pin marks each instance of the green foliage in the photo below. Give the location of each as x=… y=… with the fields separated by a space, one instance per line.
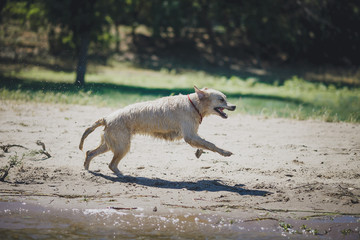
x=222 y=32
x=15 y=10
x=346 y=231
x=78 y=17
x=81 y=97
x=285 y=226
x=13 y=162
x=274 y=29
x=309 y=230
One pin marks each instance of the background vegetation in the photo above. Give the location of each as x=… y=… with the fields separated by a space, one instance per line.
x=295 y=59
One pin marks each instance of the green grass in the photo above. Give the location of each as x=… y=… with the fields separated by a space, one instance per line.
x=123 y=84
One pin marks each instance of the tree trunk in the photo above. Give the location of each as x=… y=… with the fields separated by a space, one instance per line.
x=209 y=29
x=117 y=37
x=82 y=61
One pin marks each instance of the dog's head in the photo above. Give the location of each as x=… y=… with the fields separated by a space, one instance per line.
x=213 y=102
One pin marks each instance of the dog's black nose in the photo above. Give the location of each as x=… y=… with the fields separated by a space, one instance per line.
x=232 y=108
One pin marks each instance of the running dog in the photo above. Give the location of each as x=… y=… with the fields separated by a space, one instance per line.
x=170 y=118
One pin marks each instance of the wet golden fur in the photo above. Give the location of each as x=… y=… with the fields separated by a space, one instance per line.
x=170 y=118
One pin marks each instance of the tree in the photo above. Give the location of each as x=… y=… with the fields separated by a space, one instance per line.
x=84 y=19
x=321 y=31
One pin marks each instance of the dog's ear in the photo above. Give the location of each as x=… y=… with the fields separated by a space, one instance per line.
x=200 y=93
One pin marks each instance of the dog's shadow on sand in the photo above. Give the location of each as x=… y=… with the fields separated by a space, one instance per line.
x=201 y=185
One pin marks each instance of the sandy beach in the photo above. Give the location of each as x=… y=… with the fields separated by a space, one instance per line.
x=281 y=168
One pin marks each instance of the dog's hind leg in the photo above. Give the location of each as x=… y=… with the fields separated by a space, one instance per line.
x=120 y=150
x=102 y=148
x=116 y=159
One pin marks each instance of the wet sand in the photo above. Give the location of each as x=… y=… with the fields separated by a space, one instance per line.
x=281 y=169
x=21 y=220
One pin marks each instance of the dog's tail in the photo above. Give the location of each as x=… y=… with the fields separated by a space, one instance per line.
x=98 y=123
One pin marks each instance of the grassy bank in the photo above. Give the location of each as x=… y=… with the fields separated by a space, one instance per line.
x=123 y=84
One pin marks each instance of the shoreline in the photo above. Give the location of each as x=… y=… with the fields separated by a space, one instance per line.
x=24 y=219
x=281 y=168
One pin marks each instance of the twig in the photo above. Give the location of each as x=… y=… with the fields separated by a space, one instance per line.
x=175 y=205
x=6 y=147
x=261 y=219
x=12 y=163
x=306 y=185
x=43 y=151
x=40 y=143
x=6 y=172
x=305 y=211
x=199 y=199
x=5 y=192
x=123 y=208
x=139 y=196
x=346 y=192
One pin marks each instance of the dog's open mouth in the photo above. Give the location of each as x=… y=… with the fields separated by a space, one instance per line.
x=220 y=110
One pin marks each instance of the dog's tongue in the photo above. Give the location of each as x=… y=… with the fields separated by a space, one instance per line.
x=222 y=111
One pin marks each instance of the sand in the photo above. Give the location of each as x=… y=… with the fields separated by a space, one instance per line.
x=281 y=168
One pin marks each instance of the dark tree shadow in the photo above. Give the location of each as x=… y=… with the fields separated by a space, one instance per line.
x=63 y=65
x=201 y=185
x=12 y=83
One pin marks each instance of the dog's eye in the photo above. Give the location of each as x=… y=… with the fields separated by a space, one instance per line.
x=222 y=100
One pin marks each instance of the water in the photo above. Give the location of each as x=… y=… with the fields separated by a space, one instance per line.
x=25 y=221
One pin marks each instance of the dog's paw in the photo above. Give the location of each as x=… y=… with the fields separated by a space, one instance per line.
x=226 y=153
x=199 y=152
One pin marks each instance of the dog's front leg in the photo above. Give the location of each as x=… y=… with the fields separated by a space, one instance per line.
x=198 y=142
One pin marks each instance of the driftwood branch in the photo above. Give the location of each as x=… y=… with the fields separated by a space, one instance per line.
x=6 y=147
x=123 y=208
x=12 y=163
x=43 y=151
x=6 y=173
